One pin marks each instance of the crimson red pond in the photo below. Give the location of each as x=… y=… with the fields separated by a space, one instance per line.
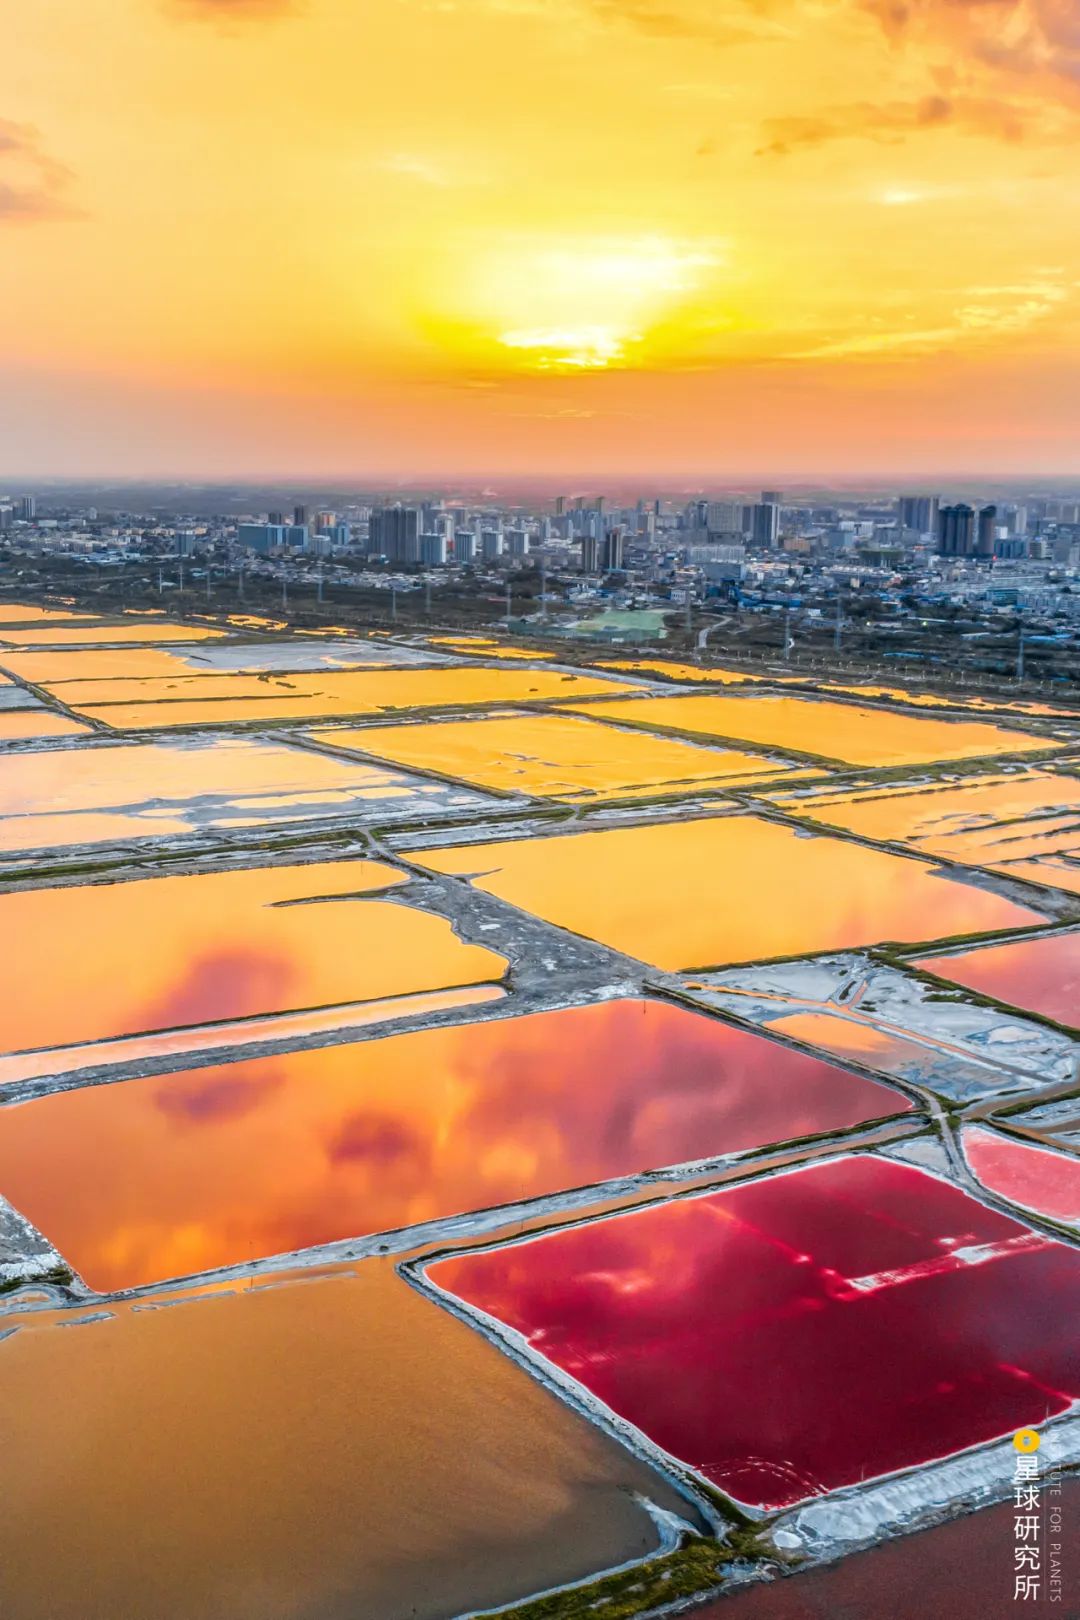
x=801 y=1332
x=145 y=1179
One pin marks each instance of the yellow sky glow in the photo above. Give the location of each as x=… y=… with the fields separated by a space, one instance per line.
x=502 y=236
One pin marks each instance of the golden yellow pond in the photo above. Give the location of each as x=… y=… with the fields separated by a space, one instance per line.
x=844 y=732
x=670 y=671
x=483 y=648
x=20 y=613
x=1024 y=824
x=96 y=632
x=725 y=889
x=556 y=756
x=225 y=699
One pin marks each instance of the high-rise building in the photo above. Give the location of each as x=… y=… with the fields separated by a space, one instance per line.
x=394 y=533
x=464 y=546
x=275 y=517
x=560 y=505
x=433 y=550
x=300 y=515
x=261 y=537
x=765 y=523
x=956 y=530
x=986 y=531
x=918 y=513
x=491 y=544
x=613 y=552
x=590 y=554
x=723 y=517
x=517 y=541
x=26 y=508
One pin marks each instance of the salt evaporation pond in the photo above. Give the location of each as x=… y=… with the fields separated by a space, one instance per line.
x=802 y=1332
x=113 y=792
x=725 y=889
x=558 y=756
x=1038 y=1179
x=226 y=699
x=151 y=1178
x=110 y=959
x=1040 y=974
x=333 y=1447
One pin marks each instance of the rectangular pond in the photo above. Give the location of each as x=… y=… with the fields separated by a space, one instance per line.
x=1024 y=824
x=332 y=1447
x=113 y=792
x=559 y=756
x=684 y=894
x=1041 y=975
x=842 y=732
x=107 y=959
x=1036 y=1178
x=145 y=1179
x=136 y=664
x=227 y=699
x=27 y=725
x=802 y=1332
x=99 y=632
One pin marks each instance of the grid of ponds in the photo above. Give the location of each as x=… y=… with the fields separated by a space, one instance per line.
x=502 y=1113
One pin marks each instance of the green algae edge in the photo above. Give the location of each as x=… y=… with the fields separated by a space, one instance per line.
x=692 y=1570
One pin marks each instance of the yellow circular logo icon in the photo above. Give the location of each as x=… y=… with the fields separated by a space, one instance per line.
x=1026 y=1440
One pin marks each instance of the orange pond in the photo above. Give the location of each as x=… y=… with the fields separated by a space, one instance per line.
x=113 y=959
x=725 y=889
x=837 y=731
x=146 y=1179
x=224 y=699
x=332 y=1448
x=22 y=725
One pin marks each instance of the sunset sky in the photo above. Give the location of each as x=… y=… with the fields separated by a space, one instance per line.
x=670 y=237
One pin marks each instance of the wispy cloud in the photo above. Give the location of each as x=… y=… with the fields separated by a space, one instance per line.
x=986 y=312
x=892 y=122
x=33 y=185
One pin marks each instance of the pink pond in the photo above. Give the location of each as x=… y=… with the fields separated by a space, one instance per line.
x=1035 y=1177
x=1041 y=974
x=802 y=1332
x=161 y=1177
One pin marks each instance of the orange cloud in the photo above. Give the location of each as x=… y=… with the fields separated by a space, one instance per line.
x=891 y=123
x=33 y=186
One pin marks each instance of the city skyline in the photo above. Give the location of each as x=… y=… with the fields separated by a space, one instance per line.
x=595 y=237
